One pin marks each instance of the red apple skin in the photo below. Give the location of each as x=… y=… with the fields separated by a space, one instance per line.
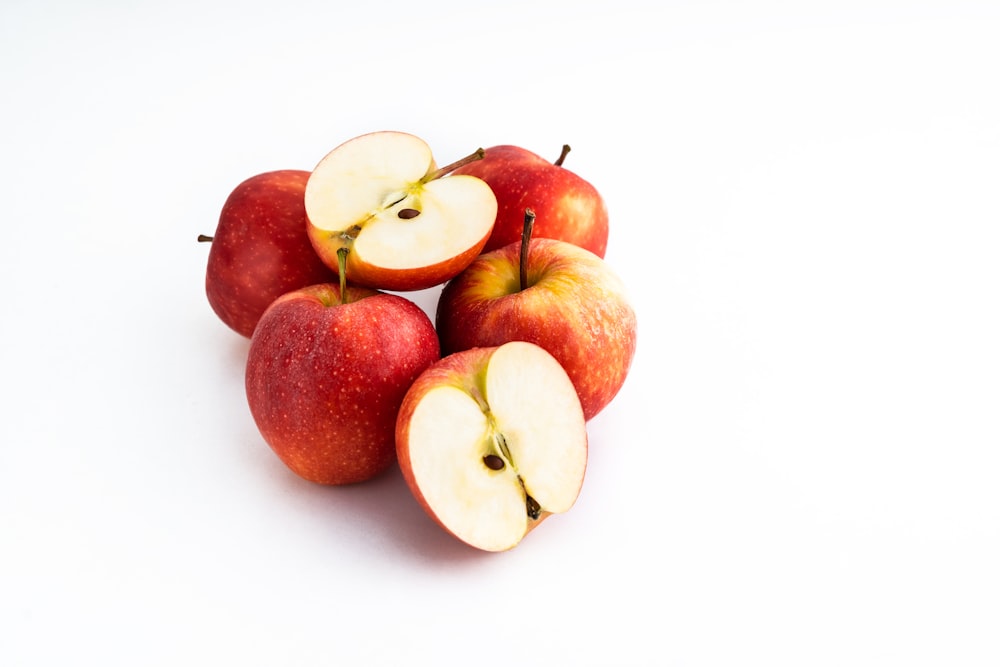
x=575 y=307
x=325 y=245
x=260 y=249
x=566 y=206
x=324 y=380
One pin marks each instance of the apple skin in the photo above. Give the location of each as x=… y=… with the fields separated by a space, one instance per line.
x=365 y=274
x=575 y=307
x=260 y=249
x=324 y=380
x=566 y=206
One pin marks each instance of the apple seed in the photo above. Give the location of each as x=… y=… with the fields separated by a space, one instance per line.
x=493 y=462
x=408 y=213
x=534 y=509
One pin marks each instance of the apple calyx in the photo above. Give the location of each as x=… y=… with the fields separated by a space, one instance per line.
x=529 y=224
x=562 y=155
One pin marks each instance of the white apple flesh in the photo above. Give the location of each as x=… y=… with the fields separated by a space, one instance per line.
x=407 y=224
x=491 y=441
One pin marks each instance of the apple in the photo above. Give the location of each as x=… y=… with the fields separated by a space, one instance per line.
x=568 y=207
x=554 y=294
x=326 y=372
x=260 y=249
x=492 y=441
x=408 y=225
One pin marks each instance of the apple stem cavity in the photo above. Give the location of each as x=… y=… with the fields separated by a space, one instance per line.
x=529 y=224
x=562 y=155
x=205 y=238
x=479 y=154
x=342 y=270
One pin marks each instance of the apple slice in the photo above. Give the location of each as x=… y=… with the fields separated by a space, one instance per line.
x=407 y=224
x=492 y=441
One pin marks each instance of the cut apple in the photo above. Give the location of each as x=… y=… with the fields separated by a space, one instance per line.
x=492 y=441
x=407 y=224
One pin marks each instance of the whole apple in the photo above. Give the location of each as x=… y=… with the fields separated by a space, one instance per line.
x=568 y=207
x=325 y=377
x=491 y=441
x=260 y=249
x=566 y=300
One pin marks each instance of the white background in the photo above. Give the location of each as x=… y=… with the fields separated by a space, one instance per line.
x=802 y=469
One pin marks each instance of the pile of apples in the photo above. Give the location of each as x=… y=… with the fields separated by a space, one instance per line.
x=484 y=409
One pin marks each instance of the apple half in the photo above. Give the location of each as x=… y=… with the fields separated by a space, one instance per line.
x=407 y=224
x=492 y=441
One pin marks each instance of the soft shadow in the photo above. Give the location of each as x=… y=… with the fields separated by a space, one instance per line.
x=386 y=518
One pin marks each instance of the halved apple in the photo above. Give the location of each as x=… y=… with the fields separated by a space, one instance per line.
x=407 y=224
x=492 y=441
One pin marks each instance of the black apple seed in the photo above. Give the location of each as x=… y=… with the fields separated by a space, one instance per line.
x=408 y=213
x=534 y=509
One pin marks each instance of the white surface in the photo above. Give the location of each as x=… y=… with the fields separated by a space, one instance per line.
x=802 y=468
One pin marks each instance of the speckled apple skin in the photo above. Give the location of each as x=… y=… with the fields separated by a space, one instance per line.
x=575 y=307
x=566 y=206
x=324 y=381
x=260 y=249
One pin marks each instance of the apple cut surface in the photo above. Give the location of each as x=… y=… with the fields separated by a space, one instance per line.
x=407 y=226
x=493 y=441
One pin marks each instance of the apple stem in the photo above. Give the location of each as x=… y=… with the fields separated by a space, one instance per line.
x=529 y=224
x=342 y=270
x=562 y=156
x=203 y=238
x=479 y=154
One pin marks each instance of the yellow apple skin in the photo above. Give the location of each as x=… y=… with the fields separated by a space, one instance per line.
x=575 y=307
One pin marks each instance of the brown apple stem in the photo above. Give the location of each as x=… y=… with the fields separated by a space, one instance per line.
x=529 y=223
x=562 y=156
x=342 y=270
x=479 y=154
x=203 y=238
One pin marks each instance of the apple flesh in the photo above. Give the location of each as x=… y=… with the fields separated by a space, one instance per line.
x=572 y=304
x=408 y=225
x=568 y=207
x=325 y=377
x=492 y=441
x=260 y=249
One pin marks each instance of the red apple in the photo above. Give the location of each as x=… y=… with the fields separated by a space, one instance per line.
x=567 y=207
x=567 y=300
x=408 y=225
x=491 y=441
x=260 y=249
x=325 y=378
